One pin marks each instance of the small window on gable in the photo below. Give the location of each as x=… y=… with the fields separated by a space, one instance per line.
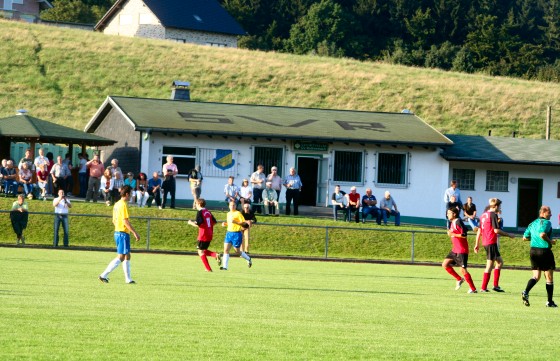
x=125 y=19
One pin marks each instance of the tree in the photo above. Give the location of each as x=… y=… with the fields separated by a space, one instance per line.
x=77 y=11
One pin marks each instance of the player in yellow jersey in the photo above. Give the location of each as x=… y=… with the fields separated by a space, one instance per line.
x=234 y=235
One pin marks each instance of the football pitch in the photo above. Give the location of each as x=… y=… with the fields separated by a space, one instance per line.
x=52 y=307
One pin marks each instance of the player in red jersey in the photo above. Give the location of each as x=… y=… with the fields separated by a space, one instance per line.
x=459 y=255
x=488 y=232
x=205 y=222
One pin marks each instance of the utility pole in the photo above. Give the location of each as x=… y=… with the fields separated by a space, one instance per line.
x=548 y=121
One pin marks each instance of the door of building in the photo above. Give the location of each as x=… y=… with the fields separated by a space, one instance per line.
x=529 y=198
x=308 y=168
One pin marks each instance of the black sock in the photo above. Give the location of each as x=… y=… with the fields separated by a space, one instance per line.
x=550 y=291
x=532 y=282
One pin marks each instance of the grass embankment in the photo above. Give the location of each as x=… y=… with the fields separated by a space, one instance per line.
x=63 y=75
x=272 y=236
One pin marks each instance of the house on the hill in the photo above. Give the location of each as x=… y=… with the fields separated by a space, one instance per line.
x=26 y=10
x=189 y=21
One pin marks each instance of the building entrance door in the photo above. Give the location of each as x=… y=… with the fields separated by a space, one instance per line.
x=529 y=197
x=308 y=168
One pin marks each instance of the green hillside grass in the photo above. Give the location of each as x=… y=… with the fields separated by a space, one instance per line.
x=63 y=75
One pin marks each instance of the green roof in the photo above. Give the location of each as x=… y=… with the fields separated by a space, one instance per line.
x=28 y=128
x=276 y=122
x=470 y=148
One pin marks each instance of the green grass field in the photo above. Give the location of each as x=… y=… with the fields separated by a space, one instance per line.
x=54 y=308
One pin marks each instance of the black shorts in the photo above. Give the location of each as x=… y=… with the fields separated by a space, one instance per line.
x=459 y=259
x=542 y=259
x=203 y=245
x=492 y=252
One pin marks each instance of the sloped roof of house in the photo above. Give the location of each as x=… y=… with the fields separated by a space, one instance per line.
x=474 y=148
x=274 y=122
x=28 y=128
x=206 y=15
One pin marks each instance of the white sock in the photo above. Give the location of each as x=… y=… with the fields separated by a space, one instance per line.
x=111 y=267
x=245 y=256
x=226 y=260
x=126 y=269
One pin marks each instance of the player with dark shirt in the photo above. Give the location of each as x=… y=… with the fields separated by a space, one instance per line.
x=205 y=222
x=459 y=254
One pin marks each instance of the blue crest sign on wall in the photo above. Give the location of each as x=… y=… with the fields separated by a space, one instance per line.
x=224 y=159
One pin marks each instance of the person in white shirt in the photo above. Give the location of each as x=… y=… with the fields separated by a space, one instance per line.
x=61 y=206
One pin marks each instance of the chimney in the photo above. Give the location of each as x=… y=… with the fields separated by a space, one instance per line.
x=513 y=134
x=180 y=90
x=490 y=133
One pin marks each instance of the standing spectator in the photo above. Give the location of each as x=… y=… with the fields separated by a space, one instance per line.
x=118 y=178
x=50 y=190
x=82 y=175
x=339 y=202
x=26 y=180
x=234 y=235
x=293 y=186
x=205 y=222
x=270 y=200
x=27 y=160
x=276 y=181
x=258 y=181
x=231 y=191
x=195 y=180
x=539 y=233
x=459 y=254
x=245 y=192
x=169 y=171
x=249 y=216
x=131 y=182
x=369 y=206
x=41 y=159
x=154 y=190
x=123 y=228
x=389 y=207
x=19 y=216
x=452 y=204
x=70 y=180
x=452 y=191
x=61 y=206
x=43 y=179
x=353 y=204
x=488 y=232
x=142 y=190
x=107 y=186
x=59 y=174
x=469 y=214
x=10 y=176
x=96 y=170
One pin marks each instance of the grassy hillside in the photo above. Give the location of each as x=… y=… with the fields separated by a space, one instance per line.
x=64 y=75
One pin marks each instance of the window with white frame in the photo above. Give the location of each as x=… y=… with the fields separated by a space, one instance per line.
x=145 y=19
x=184 y=158
x=348 y=166
x=392 y=168
x=497 y=180
x=464 y=178
x=268 y=157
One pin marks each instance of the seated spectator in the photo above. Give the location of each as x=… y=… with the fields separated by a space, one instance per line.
x=231 y=192
x=154 y=190
x=388 y=208
x=26 y=180
x=469 y=214
x=245 y=193
x=339 y=202
x=43 y=180
x=270 y=200
x=131 y=182
x=369 y=206
x=2 y=167
x=19 y=217
x=250 y=219
x=452 y=204
x=10 y=177
x=353 y=204
x=107 y=185
x=142 y=190
x=27 y=160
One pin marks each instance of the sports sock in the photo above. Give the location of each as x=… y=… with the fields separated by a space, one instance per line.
x=452 y=272
x=210 y=253
x=550 y=291
x=205 y=263
x=226 y=260
x=126 y=269
x=245 y=256
x=485 y=280
x=111 y=267
x=532 y=282
x=469 y=280
x=497 y=277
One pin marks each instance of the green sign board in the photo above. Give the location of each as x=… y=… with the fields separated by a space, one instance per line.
x=316 y=146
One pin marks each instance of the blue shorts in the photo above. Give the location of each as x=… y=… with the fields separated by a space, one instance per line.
x=235 y=238
x=122 y=240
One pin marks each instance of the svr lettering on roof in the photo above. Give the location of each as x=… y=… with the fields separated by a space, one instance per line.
x=223 y=119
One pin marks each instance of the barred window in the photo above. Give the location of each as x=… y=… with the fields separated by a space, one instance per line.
x=269 y=157
x=497 y=181
x=348 y=166
x=184 y=158
x=464 y=178
x=391 y=168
